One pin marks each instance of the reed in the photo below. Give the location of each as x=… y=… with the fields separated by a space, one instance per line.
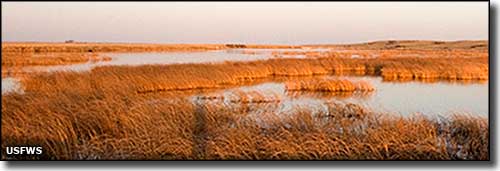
x=84 y=47
x=95 y=126
x=480 y=45
x=331 y=85
x=32 y=59
x=149 y=79
x=118 y=112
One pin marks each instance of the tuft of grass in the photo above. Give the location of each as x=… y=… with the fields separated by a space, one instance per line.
x=109 y=128
x=341 y=85
x=116 y=112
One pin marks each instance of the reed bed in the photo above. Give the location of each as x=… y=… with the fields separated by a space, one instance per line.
x=161 y=78
x=31 y=59
x=240 y=96
x=115 y=112
x=102 y=126
x=80 y=47
x=329 y=85
x=104 y=47
x=480 y=45
x=400 y=53
x=152 y=79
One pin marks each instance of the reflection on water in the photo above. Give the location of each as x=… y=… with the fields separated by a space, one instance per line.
x=402 y=97
x=419 y=97
x=407 y=98
x=215 y=56
x=11 y=85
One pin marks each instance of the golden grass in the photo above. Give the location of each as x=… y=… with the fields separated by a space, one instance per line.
x=103 y=126
x=341 y=85
x=160 y=78
x=387 y=53
x=13 y=63
x=114 y=112
x=26 y=47
x=30 y=59
x=99 y=115
x=22 y=47
x=481 y=45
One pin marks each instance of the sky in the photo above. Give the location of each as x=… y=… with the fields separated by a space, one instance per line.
x=243 y=22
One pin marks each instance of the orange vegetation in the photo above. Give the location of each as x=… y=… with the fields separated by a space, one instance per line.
x=25 y=47
x=114 y=112
x=28 y=59
x=99 y=125
x=410 y=44
x=343 y=85
x=156 y=78
x=13 y=63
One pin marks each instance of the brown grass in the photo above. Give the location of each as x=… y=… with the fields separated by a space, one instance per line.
x=481 y=45
x=115 y=112
x=342 y=85
x=13 y=63
x=26 y=47
x=159 y=78
x=98 y=115
x=101 y=126
x=30 y=59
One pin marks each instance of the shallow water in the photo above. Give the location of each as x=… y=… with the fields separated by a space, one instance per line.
x=215 y=56
x=399 y=98
x=10 y=84
x=440 y=98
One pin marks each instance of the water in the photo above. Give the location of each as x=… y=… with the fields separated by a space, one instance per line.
x=134 y=59
x=400 y=98
x=10 y=84
x=407 y=98
x=215 y=56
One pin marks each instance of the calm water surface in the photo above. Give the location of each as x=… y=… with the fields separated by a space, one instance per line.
x=441 y=98
x=399 y=98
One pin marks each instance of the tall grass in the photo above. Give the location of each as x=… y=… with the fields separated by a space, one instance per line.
x=161 y=78
x=479 y=45
x=115 y=127
x=25 y=47
x=342 y=85
x=116 y=112
x=29 y=59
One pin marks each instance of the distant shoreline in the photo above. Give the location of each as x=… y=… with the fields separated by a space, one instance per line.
x=75 y=46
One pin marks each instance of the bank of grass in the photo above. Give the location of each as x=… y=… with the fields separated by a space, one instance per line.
x=481 y=45
x=160 y=78
x=94 y=126
x=14 y=64
x=85 y=47
x=119 y=112
x=329 y=85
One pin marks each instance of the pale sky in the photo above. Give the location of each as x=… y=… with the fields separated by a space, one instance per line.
x=243 y=22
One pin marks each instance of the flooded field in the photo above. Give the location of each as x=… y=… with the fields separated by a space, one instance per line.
x=393 y=97
x=246 y=81
x=408 y=98
x=205 y=99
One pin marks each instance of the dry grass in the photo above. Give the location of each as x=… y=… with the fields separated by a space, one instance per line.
x=342 y=85
x=22 y=47
x=432 y=67
x=13 y=63
x=26 y=47
x=102 y=126
x=114 y=112
x=98 y=115
x=481 y=45
x=30 y=59
x=400 y=53
x=160 y=78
